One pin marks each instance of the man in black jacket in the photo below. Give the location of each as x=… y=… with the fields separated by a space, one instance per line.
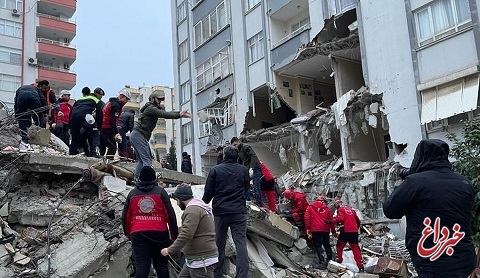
x=186 y=163
x=226 y=185
x=125 y=124
x=437 y=204
x=150 y=222
x=111 y=115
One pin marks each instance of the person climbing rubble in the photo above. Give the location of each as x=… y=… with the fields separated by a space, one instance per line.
x=149 y=221
x=196 y=237
x=110 y=133
x=437 y=204
x=267 y=185
x=61 y=116
x=317 y=216
x=348 y=232
x=299 y=204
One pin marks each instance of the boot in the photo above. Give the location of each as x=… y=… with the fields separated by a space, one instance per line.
x=96 y=152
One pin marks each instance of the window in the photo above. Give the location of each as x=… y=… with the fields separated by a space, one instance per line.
x=249 y=4
x=441 y=18
x=187 y=133
x=10 y=55
x=9 y=83
x=10 y=28
x=183 y=52
x=211 y=24
x=336 y=7
x=185 y=93
x=11 y=4
x=255 y=48
x=449 y=100
x=221 y=114
x=304 y=22
x=213 y=69
x=181 y=11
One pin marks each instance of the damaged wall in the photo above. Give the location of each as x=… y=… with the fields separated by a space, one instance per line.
x=390 y=74
x=264 y=118
x=348 y=76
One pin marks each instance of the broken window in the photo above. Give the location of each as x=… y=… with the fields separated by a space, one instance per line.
x=449 y=100
x=440 y=19
x=214 y=69
x=221 y=113
x=336 y=7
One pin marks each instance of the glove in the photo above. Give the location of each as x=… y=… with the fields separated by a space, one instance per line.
x=250 y=172
x=309 y=234
x=118 y=138
x=60 y=114
x=53 y=125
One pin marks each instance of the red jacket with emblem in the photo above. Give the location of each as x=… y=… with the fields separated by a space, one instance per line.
x=299 y=202
x=148 y=208
x=111 y=114
x=315 y=217
x=349 y=218
x=65 y=108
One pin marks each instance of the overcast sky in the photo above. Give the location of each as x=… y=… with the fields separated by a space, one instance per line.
x=122 y=43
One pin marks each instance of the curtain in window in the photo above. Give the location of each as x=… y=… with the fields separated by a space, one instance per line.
x=463 y=10
x=423 y=23
x=442 y=14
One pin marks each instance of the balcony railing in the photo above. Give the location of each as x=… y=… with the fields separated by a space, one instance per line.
x=291 y=35
x=54 y=68
x=56 y=18
x=55 y=42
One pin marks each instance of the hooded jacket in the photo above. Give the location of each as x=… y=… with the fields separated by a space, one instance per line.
x=111 y=114
x=148 y=208
x=187 y=164
x=126 y=121
x=197 y=234
x=88 y=104
x=348 y=217
x=433 y=191
x=315 y=217
x=248 y=156
x=299 y=202
x=148 y=118
x=65 y=108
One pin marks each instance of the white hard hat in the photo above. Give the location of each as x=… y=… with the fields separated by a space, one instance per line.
x=64 y=92
x=89 y=119
x=125 y=93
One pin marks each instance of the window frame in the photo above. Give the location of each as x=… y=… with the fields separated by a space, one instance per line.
x=225 y=116
x=183 y=54
x=185 y=85
x=184 y=9
x=255 y=48
x=15 y=82
x=254 y=4
x=457 y=27
x=18 y=5
x=201 y=38
x=8 y=53
x=206 y=71
x=187 y=131
x=16 y=26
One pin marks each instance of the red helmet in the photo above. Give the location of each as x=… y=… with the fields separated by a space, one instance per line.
x=322 y=198
x=288 y=193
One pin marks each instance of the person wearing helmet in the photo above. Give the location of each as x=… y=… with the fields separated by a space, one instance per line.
x=111 y=114
x=61 y=116
x=318 y=224
x=348 y=233
x=299 y=204
x=142 y=131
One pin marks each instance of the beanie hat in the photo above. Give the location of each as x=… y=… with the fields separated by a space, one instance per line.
x=183 y=192
x=86 y=91
x=147 y=174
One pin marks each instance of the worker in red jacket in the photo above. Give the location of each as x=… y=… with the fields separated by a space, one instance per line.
x=150 y=222
x=299 y=204
x=267 y=185
x=61 y=116
x=109 y=130
x=348 y=233
x=318 y=224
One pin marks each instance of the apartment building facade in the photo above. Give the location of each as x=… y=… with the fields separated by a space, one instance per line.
x=35 y=44
x=276 y=60
x=164 y=133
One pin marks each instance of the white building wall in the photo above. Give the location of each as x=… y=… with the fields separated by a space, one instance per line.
x=252 y=20
x=316 y=18
x=390 y=70
x=31 y=21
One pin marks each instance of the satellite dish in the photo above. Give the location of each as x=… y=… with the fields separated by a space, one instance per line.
x=203 y=116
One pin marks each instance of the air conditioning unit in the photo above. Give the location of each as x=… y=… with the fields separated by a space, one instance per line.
x=32 y=61
x=15 y=12
x=66 y=66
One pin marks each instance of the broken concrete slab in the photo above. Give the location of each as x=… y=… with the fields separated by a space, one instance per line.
x=301 y=245
x=21 y=259
x=366 y=275
x=118 y=264
x=4 y=210
x=7 y=272
x=39 y=136
x=114 y=184
x=77 y=257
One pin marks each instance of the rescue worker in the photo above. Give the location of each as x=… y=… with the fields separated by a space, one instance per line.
x=147 y=121
x=317 y=216
x=150 y=222
x=186 y=163
x=125 y=125
x=85 y=116
x=267 y=185
x=299 y=204
x=435 y=200
x=196 y=237
x=30 y=103
x=250 y=160
x=61 y=116
x=111 y=114
x=348 y=233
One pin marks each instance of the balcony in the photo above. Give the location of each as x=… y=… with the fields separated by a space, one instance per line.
x=55 y=50
x=160 y=146
x=286 y=48
x=284 y=10
x=158 y=130
x=64 y=7
x=58 y=77
x=50 y=26
x=131 y=105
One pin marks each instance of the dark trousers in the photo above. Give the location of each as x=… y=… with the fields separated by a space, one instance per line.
x=79 y=137
x=352 y=239
x=25 y=103
x=322 y=239
x=62 y=131
x=146 y=249
x=122 y=146
x=257 y=194
x=238 y=226
x=204 y=272
x=108 y=141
